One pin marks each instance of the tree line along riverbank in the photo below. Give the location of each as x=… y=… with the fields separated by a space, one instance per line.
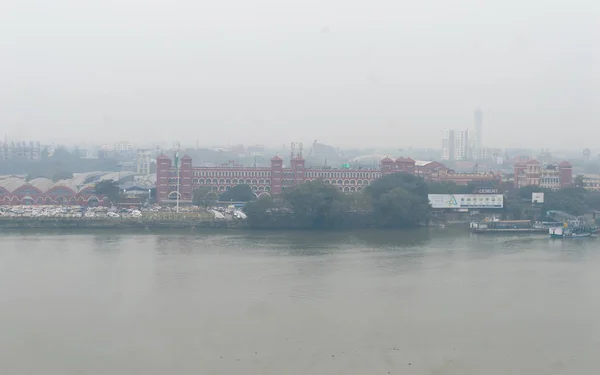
x=401 y=200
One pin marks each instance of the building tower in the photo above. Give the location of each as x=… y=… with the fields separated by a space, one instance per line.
x=448 y=145
x=478 y=131
x=565 y=174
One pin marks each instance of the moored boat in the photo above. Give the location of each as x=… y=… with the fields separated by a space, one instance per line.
x=507 y=226
x=573 y=229
x=568 y=233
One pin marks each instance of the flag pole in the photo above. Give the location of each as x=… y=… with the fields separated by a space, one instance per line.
x=177 y=166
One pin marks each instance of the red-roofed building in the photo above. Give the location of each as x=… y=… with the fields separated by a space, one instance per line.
x=552 y=177
x=275 y=179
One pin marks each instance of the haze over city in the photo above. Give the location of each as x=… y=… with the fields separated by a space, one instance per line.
x=378 y=73
x=299 y=187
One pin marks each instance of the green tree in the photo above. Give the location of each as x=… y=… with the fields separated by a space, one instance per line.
x=204 y=197
x=359 y=202
x=411 y=183
x=238 y=193
x=399 y=200
x=260 y=212
x=592 y=200
x=514 y=209
x=316 y=204
x=400 y=208
x=569 y=200
x=579 y=181
x=110 y=189
x=525 y=193
x=447 y=187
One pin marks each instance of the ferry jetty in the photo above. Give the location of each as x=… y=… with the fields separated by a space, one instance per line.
x=494 y=225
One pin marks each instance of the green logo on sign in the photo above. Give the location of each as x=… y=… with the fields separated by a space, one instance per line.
x=452 y=201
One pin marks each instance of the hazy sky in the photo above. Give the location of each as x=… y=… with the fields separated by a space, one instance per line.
x=350 y=73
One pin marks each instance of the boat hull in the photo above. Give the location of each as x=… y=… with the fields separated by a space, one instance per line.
x=560 y=233
x=577 y=235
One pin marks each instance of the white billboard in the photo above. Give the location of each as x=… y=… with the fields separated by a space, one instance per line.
x=466 y=200
x=537 y=197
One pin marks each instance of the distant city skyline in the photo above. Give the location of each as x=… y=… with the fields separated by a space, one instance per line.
x=383 y=74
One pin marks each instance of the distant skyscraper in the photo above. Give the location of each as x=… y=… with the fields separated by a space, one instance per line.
x=478 y=129
x=464 y=149
x=448 y=144
x=458 y=144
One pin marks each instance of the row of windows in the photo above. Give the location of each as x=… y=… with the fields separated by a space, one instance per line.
x=286 y=173
x=210 y=173
x=330 y=175
x=223 y=181
x=349 y=189
x=346 y=182
x=549 y=180
x=226 y=188
x=267 y=189
x=287 y=182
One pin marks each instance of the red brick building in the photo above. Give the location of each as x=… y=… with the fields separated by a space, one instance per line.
x=553 y=176
x=273 y=180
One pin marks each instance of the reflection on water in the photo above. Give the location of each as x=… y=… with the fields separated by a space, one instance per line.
x=362 y=302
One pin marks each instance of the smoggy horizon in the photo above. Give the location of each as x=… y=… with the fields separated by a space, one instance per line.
x=351 y=74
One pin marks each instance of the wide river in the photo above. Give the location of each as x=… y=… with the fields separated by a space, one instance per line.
x=256 y=303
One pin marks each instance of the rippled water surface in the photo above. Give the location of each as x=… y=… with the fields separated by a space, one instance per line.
x=439 y=302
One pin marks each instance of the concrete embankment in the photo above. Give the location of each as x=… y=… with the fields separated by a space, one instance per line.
x=107 y=223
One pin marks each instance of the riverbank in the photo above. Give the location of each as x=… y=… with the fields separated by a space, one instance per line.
x=182 y=222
